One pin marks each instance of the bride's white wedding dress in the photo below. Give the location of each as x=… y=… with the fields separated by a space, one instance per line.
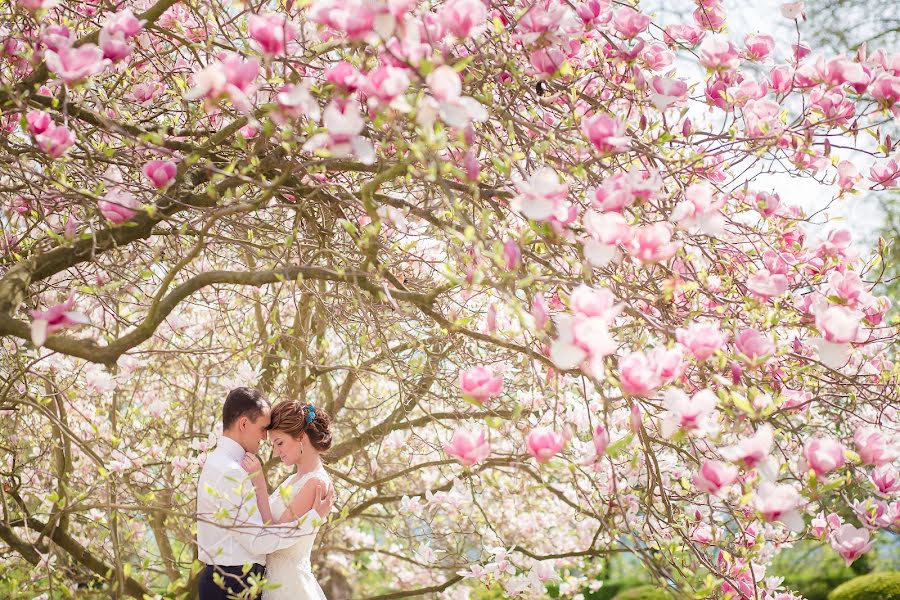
x=290 y=568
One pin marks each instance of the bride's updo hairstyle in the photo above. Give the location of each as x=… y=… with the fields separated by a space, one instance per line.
x=296 y=418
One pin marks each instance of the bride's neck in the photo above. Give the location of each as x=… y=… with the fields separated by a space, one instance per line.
x=308 y=463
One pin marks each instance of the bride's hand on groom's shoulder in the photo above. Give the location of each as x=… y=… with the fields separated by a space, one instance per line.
x=251 y=464
x=324 y=499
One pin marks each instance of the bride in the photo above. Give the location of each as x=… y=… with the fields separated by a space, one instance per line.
x=299 y=434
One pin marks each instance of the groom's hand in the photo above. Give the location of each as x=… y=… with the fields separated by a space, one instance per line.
x=324 y=499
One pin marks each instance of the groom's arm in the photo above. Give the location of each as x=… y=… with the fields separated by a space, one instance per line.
x=239 y=500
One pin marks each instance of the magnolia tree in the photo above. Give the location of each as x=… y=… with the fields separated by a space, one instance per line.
x=527 y=255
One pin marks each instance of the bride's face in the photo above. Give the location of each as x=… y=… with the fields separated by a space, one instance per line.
x=286 y=447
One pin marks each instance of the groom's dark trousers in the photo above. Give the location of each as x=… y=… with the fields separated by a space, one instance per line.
x=234 y=583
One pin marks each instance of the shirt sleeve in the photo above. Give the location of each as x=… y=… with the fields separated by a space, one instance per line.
x=238 y=502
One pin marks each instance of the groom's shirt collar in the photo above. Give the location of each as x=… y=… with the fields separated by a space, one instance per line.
x=231 y=448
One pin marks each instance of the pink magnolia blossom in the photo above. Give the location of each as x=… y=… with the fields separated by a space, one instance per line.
x=636 y=422
x=594 y=11
x=512 y=255
x=55 y=37
x=839 y=326
x=468 y=447
x=822 y=525
x=60 y=316
x=55 y=140
x=886 y=89
x=232 y=76
x=766 y=284
x=665 y=92
x=354 y=18
x=160 y=172
x=471 y=166
x=479 y=384
x=793 y=10
x=542 y=195
x=847 y=286
x=885 y=174
x=295 y=101
x=703 y=534
x=840 y=70
x=710 y=15
x=458 y=111
x=638 y=375
x=848 y=175
x=824 y=455
x=782 y=78
x=761 y=118
x=36 y=5
x=581 y=338
x=613 y=196
x=544 y=443
x=605 y=133
x=701 y=339
x=444 y=83
x=653 y=243
x=491 y=319
x=717 y=53
x=146 y=92
x=75 y=64
x=700 y=210
x=669 y=362
x=689 y=34
x=779 y=502
x=874 y=447
x=345 y=76
x=124 y=22
x=691 y=414
x=876 y=311
x=463 y=18
x=385 y=85
x=714 y=476
x=754 y=345
x=271 y=33
x=874 y=514
x=119 y=28
x=758 y=46
x=657 y=56
x=833 y=105
x=594 y=302
x=343 y=124
x=630 y=22
x=539 y=311
x=851 y=542
x=607 y=231
x=119 y=206
x=38 y=121
x=600 y=440
x=886 y=479
x=546 y=61
x=753 y=450
x=114 y=45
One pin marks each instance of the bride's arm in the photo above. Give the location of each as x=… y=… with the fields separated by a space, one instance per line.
x=252 y=465
x=303 y=501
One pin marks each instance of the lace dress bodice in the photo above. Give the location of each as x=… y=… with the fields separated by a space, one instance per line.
x=290 y=568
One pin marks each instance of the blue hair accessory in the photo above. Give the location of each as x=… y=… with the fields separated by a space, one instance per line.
x=310 y=414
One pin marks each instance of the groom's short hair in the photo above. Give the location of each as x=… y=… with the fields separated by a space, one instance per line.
x=243 y=401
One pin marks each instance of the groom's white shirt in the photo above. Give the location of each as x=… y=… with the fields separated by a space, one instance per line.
x=230 y=531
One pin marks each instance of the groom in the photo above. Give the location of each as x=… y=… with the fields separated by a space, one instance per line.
x=231 y=538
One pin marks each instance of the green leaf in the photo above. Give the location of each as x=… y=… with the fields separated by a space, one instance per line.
x=616 y=448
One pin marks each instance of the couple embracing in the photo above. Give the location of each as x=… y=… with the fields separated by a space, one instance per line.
x=245 y=535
